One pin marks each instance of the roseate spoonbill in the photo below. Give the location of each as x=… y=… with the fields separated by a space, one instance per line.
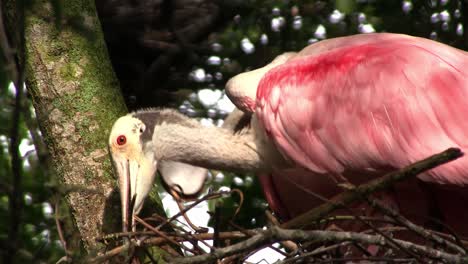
x=346 y=108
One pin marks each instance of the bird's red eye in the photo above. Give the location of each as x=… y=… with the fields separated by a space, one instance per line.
x=121 y=140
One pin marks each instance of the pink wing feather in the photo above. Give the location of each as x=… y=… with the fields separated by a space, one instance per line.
x=369 y=102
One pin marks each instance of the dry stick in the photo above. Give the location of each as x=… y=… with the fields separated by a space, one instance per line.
x=203 y=236
x=303 y=259
x=236 y=258
x=115 y=236
x=337 y=218
x=317 y=251
x=415 y=228
x=192 y=239
x=162 y=234
x=209 y=196
x=389 y=239
x=181 y=207
x=161 y=219
x=59 y=231
x=367 y=221
x=202 y=199
x=348 y=197
x=241 y=202
x=461 y=241
x=156 y=241
x=111 y=253
x=378 y=184
x=450 y=234
x=186 y=235
x=183 y=210
x=275 y=234
x=148 y=255
x=366 y=260
x=271 y=235
x=289 y=245
x=324 y=249
x=251 y=233
x=255 y=251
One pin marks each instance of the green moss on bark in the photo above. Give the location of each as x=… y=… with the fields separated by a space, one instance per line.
x=77 y=99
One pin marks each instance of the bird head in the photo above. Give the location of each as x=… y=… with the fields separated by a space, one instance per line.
x=134 y=163
x=133 y=154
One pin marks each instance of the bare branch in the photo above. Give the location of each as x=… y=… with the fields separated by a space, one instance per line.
x=415 y=228
x=198 y=201
x=161 y=233
x=156 y=241
x=378 y=184
x=330 y=240
x=276 y=234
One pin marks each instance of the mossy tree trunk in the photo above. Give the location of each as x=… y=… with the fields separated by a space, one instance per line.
x=76 y=96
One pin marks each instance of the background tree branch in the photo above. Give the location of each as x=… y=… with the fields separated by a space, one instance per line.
x=16 y=71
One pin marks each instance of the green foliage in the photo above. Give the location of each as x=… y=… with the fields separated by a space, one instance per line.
x=38 y=235
x=382 y=15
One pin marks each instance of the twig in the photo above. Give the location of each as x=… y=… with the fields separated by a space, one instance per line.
x=216 y=225
x=275 y=234
x=415 y=228
x=115 y=236
x=337 y=218
x=289 y=245
x=111 y=253
x=365 y=260
x=59 y=229
x=241 y=202
x=188 y=236
x=202 y=199
x=156 y=241
x=378 y=184
x=315 y=252
x=388 y=238
x=148 y=255
x=323 y=249
x=252 y=233
x=176 y=197
x=38 y=141
x=203 y=236
x=162 y=234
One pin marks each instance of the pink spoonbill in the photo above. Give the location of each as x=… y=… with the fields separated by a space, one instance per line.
x=346 y=108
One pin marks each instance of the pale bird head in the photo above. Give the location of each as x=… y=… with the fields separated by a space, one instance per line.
x=132 y=150
x=134 y=163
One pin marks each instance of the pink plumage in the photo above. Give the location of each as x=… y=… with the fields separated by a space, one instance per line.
x=361 y=106
x=375 y=102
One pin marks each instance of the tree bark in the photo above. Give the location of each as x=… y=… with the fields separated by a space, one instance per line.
x=77 y=98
